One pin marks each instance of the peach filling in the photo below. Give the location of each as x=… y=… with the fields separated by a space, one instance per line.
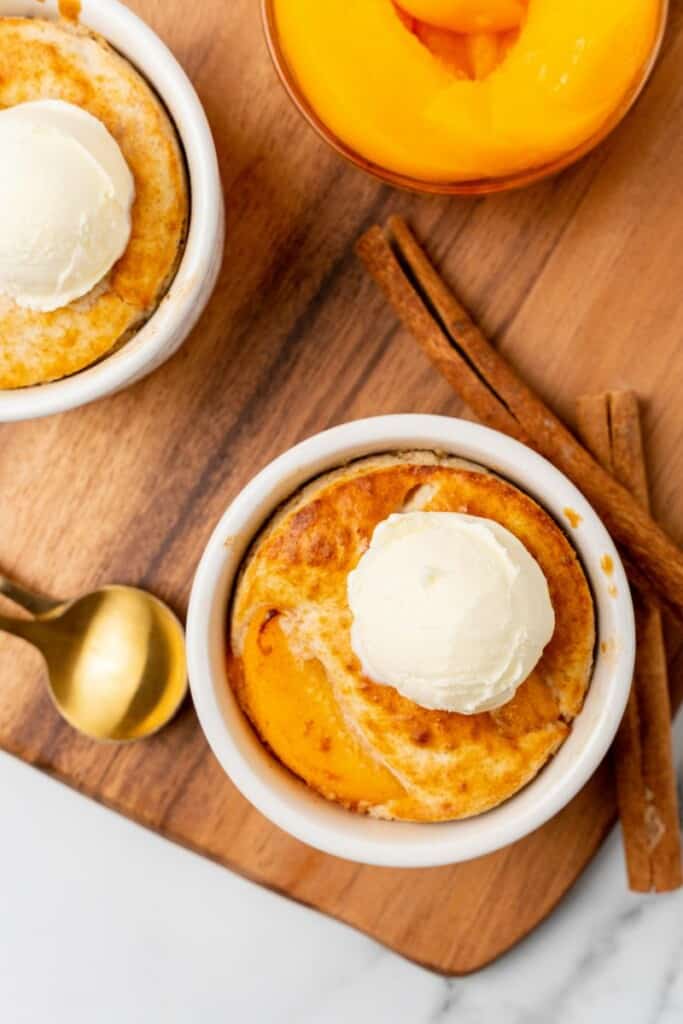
x=470 y=46
x=300 y=719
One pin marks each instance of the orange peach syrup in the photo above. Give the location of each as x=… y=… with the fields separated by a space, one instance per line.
x=457 y=90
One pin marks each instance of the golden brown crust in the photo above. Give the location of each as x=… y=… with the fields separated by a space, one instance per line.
x=41 y=59
x=298 y=680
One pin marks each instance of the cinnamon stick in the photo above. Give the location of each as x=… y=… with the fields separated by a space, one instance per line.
x=643 y=751
x=378 y=258
x=495 y=393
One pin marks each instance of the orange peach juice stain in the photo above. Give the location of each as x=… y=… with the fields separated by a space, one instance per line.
x=608 y=648
x=573 y=518
x=70 y=9
x=607 y=565
x=612 y=591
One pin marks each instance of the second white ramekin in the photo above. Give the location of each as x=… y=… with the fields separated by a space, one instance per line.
x=287 y=801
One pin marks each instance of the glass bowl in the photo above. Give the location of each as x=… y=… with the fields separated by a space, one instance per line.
x=479 y=186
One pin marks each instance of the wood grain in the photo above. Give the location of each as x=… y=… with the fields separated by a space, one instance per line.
x=577 y=280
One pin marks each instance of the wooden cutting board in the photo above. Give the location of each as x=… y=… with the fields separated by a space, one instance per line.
x=579 y=281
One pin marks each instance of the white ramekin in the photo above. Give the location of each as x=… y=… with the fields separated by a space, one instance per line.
x=288 y=802
x=189 y=293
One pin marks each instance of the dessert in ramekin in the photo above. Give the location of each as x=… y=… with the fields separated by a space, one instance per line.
x=412 y=636
x=280 y=573
x=464 y=95
x=112 y=205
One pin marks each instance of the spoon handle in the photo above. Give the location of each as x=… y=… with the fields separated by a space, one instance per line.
x=27 y=629
x=34 y=603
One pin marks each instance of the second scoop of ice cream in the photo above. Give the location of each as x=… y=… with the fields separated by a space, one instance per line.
x=449 y=609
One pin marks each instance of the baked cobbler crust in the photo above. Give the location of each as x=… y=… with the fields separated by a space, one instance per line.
x=361 y=744
x=41 y=59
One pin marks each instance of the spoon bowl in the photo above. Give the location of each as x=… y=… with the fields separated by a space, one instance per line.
x=115 y=659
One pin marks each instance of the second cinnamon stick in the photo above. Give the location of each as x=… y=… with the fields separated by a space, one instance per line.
x=643 y=754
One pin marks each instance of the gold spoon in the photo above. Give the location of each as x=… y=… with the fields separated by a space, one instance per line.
x=115 y=658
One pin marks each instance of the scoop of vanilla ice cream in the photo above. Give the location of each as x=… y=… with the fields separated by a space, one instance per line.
x=449 y=609
x=66 y=194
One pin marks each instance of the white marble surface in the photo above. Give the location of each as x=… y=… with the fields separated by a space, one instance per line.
x=102 y=922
